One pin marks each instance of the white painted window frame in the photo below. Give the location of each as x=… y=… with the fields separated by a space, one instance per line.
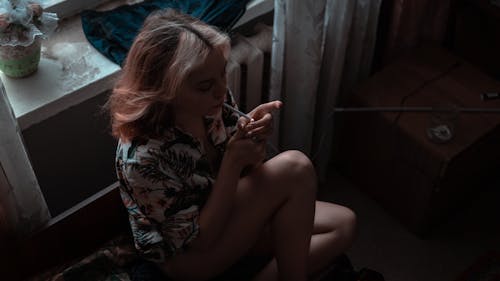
x=68 y=8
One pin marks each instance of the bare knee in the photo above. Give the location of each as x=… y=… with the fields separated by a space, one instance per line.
x=289 y=173
x=298 y=169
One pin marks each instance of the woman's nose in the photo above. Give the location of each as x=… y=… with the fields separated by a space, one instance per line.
x=221 y=88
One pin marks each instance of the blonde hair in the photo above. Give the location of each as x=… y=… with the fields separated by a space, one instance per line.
x=167 y=48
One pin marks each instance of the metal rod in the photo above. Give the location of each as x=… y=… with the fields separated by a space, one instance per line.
x=418 y=109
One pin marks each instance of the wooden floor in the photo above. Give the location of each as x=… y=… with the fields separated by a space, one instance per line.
x=385 y=245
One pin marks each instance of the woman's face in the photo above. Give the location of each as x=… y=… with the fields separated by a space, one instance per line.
x=204 y=90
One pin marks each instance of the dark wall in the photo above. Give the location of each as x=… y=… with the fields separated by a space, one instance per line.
x=476 y=34
x=72 y=154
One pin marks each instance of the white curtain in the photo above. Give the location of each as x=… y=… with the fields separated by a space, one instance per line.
x=22 y=205
x=320 y=49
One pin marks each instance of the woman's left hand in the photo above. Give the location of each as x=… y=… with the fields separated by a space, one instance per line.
x=262 y=125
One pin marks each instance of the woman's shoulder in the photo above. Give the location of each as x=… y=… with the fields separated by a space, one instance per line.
x=172 y=141
x=137 y=149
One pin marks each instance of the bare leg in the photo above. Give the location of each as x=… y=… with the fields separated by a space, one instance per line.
x=292 y=230
x=280 y=193
x=333 y=232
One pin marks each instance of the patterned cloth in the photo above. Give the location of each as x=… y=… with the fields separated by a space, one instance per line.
x=165 y=182
x=112 y=32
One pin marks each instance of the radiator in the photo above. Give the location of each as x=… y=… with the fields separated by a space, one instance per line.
x=248 y=72
x=248 y=67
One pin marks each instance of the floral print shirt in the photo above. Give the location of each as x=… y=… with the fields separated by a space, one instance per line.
x=165 y=182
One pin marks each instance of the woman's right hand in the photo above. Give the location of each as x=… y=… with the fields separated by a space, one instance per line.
x=243 y=150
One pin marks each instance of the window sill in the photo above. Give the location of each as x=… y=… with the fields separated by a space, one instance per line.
x=72 y=71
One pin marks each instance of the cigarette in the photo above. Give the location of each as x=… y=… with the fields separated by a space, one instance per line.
x=238 y=112
x=276 y=150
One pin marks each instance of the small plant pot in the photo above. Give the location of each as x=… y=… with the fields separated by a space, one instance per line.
x=20 y=61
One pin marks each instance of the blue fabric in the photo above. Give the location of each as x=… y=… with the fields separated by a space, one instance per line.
x=112 y=32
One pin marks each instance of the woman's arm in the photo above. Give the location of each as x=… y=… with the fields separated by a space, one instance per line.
x=240 y=152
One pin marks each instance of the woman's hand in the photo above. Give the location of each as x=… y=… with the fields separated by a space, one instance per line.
x=243 y=149
x=247 y=147
x=262 y=126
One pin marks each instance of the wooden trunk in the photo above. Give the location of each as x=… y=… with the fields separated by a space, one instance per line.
x=390 y=155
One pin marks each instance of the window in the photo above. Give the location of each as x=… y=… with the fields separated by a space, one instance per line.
x=67 y=8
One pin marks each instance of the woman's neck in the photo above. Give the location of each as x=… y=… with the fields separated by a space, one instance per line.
x=192 y=125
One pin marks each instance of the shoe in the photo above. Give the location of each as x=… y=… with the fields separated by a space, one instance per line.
x=143 y=270
x=366 y=274
x=340 y=270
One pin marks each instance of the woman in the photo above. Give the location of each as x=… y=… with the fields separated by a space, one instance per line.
x=193 y=176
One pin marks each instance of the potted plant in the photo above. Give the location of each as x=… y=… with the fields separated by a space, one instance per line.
x=23 y=24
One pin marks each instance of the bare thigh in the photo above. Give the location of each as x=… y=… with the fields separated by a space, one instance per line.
x=258 y=196
x=328 y=217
